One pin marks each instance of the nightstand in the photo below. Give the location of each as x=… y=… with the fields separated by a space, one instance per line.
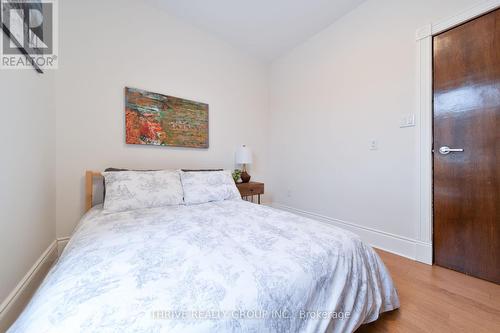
x=250 y=189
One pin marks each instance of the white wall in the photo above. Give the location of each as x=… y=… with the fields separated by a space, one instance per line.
x=27 y=184
x=108 y=45
x=331 y=96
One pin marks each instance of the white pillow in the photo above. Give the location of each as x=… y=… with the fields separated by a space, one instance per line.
x=206 y=186
x=129 y=190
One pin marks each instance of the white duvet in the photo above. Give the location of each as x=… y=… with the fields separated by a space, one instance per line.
x=229 y=266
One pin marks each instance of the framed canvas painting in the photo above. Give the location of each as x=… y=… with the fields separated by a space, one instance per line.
x=161 y=120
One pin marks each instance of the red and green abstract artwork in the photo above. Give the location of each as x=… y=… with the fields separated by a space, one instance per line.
x=160 y=120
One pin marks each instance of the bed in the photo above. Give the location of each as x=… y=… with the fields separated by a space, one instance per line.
x=226 y=266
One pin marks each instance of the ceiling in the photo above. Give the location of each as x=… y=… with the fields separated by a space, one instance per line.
x=263 y=28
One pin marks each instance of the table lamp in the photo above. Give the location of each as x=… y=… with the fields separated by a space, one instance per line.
x=243 y=156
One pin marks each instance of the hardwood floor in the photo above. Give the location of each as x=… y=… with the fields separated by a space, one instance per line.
x=435 y=299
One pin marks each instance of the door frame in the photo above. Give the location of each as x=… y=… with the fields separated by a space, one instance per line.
x=424 y=251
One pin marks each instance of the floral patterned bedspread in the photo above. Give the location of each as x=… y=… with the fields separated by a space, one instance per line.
x=228 y=266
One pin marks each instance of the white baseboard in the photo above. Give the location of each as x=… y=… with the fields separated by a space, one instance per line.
x=403 y=246
x=15 y=302
x=423 y=252
x=61 y=244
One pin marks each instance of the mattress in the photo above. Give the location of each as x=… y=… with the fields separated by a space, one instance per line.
x=229 y=266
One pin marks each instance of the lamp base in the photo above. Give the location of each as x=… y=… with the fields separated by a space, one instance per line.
x=245 y=177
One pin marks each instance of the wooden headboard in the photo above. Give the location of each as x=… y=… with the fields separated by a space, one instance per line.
x=89 y=188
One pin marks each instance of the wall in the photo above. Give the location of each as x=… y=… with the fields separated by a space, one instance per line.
x=129 y=43
x=332 y=95
x=27 y=190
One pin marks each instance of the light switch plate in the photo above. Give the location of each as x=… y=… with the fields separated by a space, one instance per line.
x=373 y=144
x=407 y=120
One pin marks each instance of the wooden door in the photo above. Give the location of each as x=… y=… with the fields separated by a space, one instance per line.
x=467 y=116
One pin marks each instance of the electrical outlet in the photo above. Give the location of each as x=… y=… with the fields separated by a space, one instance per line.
x=373 y=144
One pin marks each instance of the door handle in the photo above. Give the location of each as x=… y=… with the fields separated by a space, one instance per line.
x=444 y=150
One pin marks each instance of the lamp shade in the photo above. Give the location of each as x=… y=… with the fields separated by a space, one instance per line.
x=243 y=155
